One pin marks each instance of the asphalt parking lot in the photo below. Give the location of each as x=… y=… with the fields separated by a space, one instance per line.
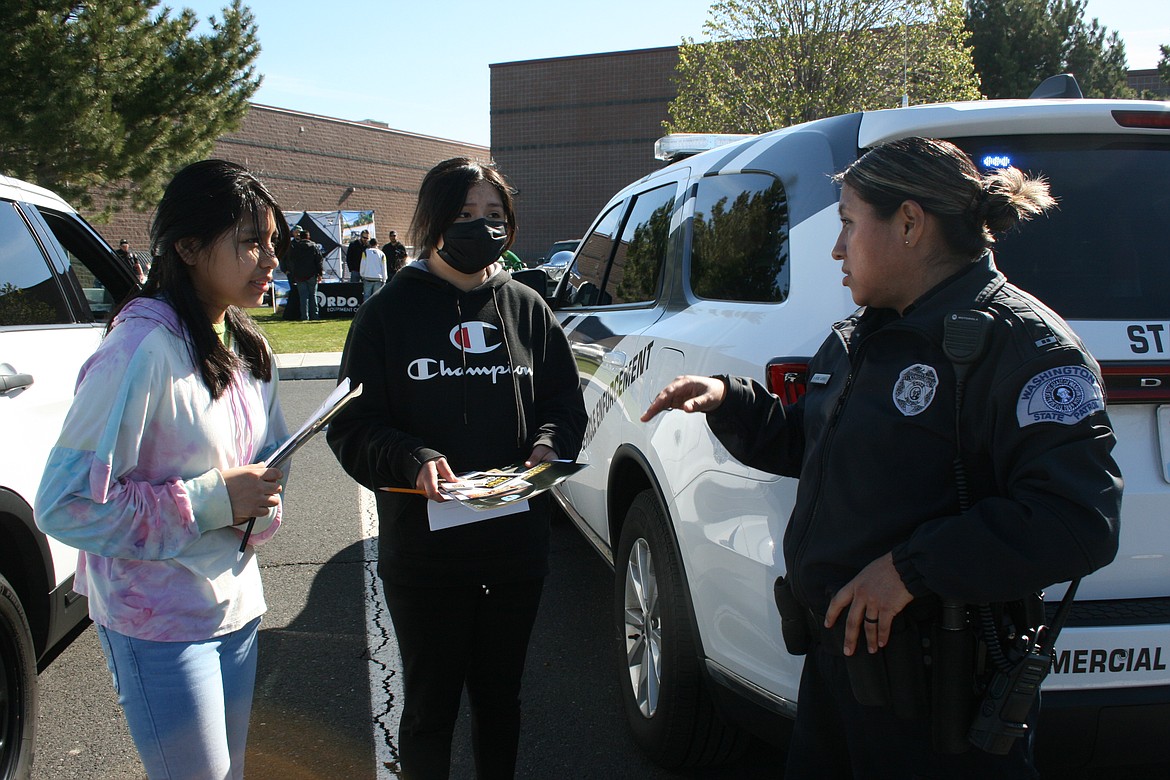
x=318 y=693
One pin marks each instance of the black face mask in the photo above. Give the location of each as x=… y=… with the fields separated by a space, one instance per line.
x=470 y=247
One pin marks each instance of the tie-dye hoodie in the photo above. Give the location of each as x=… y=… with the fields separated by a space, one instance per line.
x=134 y=482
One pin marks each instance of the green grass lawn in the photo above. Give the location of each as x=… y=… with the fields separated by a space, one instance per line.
x=295 y=336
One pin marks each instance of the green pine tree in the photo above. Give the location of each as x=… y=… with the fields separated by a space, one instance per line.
x=1019 y=43
x=114 y=97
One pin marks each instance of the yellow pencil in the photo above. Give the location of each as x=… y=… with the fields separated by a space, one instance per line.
x=404 y=490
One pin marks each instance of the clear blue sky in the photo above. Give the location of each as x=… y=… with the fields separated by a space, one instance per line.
x=422 y=65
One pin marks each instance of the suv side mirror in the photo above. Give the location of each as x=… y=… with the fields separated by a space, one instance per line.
x=534 y=278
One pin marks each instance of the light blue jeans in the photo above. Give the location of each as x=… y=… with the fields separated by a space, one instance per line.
x=308 y=293
x=371 y=286
x=187 y=703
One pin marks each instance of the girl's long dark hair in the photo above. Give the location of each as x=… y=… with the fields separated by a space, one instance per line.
x=203 y=202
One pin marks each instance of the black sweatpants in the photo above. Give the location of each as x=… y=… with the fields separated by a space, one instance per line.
x=474 y=636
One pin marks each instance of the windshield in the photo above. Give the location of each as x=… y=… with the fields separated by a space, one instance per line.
x=1102 y=253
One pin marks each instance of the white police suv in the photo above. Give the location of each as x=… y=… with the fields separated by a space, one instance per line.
x=720 y=263
x=59 y=281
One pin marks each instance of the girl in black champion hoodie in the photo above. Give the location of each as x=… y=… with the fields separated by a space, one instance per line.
x=462 y=369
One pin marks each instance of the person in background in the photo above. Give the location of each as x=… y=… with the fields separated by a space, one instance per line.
x=462 y=586
x=292 y=300
x=123 y=251
x=131 y=260
x=924 y=479
x=395 y=255
x=306 y=266
x=354 y=253
x=373 y=270
x=159 y=463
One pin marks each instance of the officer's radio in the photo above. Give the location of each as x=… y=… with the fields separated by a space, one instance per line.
x=1002 y=715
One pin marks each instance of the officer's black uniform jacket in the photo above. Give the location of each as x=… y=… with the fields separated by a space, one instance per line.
x=873 y=442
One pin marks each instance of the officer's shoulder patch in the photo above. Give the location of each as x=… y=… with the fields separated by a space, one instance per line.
x=1065 y=394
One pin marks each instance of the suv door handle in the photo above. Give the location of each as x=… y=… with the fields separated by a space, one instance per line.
x=615 y=358
x=11 y=380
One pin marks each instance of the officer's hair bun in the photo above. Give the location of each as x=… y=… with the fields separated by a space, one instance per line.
x=1011 y=197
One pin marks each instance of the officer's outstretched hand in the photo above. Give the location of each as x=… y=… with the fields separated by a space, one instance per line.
x=689 y=393
x=873 y=597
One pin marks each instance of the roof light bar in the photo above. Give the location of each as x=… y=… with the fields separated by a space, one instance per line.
x=679 y=145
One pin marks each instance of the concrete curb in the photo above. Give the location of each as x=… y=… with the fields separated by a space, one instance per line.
x=316 y=365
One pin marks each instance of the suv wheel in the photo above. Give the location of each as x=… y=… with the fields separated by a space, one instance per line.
x=668 y=707
x=18 y=687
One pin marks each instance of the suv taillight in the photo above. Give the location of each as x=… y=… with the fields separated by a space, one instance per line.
x=787 y=380
x=1136 y=383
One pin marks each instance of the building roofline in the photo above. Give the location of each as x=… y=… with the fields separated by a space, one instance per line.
x=584 y=56
x=367 y=124
x=1132 y=72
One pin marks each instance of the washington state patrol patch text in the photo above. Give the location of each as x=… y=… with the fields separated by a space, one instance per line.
x=1066 y=395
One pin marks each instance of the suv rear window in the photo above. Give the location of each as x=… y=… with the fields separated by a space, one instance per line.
x=1102 y=254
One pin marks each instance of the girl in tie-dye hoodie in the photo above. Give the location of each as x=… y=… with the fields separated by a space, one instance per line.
x=159 y=463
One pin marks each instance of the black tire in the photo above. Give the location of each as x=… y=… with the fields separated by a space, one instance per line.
x=676 y=723
x=18 y=687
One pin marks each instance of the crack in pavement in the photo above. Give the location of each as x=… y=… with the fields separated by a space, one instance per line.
x=319 y=564
x=382 y=650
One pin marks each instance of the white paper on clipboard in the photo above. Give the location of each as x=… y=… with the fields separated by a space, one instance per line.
x=317 y=421
x=328 y=409
x=449 y=514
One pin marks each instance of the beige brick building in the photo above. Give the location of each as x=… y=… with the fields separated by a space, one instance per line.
x=569 y=132
x=316 y=163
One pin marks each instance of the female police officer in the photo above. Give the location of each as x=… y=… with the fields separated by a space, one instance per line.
x=883 y=529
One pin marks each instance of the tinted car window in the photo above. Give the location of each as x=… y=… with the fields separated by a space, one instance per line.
x=1102 y=254
x=637 y=263
x=29 y=294
x=588 y=271
x=91 y=266
x=740 y=246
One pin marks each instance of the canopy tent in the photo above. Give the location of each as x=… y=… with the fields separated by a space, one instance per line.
x=332 y=230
